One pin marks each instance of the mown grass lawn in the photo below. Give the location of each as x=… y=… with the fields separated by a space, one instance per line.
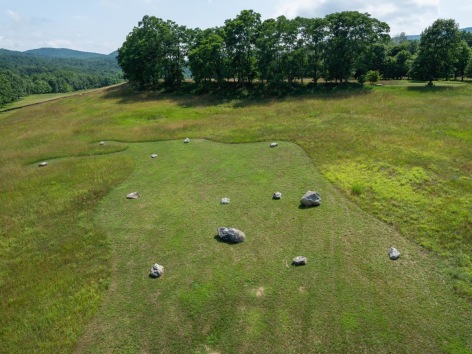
x=216 y=297
x=68 y=237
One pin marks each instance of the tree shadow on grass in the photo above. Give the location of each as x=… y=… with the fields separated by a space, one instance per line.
x=189 y=95
x=429 y=89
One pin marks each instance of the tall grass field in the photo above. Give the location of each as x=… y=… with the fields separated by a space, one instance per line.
x=393 y=167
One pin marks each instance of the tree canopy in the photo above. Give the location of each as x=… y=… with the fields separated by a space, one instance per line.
x=245 y=48
x=438 y=51
x=338 y=47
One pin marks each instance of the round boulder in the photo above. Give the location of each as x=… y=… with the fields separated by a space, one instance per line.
x=299 y=261
x=311 y=198
x=231 y=235
x=156 y=271
x=393 y=253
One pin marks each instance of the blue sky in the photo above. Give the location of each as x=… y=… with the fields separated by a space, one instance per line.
x=102 y=25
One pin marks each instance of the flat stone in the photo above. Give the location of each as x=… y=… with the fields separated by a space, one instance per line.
x=277 y=195
x=186 y=140
x=153 y=156
x=273 y=145
x=156 y=271
x=393 y=253
x=231 y=235
x=42 y=164
x=299 y=260
x=133 y=195
x=224 y=200
x=311 y=198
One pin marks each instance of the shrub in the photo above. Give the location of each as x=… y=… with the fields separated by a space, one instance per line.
x=372 y=76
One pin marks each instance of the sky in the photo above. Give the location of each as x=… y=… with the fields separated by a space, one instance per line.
x=101 y=26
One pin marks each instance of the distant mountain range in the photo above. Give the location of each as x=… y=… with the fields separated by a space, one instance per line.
x=62 y=53
x=417 y=37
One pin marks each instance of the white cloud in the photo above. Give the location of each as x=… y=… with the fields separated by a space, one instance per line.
x=410 y=16
x=36 y=34
x=13 y=15
x=57 y=43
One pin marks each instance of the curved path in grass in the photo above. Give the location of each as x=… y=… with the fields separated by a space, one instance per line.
x=246 y=298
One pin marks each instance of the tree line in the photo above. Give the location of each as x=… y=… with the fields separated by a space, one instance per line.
x=23 y=74
x=339 y=47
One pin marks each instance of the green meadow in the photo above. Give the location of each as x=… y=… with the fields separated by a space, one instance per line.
x=393 y=167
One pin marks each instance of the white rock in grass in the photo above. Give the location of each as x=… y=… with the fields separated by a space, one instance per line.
x=273 y=145
x=299 y=260
x=153 y=156
x=133 y=195
x=224 y=200
x=156 y=271
x=393 y=253
x=311 y=198
x=231 y=235
x=102 y=143
x=42 y=164
x=277 y=195
x=186 y=140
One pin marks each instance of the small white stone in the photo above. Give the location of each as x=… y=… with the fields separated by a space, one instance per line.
x=42 y=164
x=224 y=200
x=102 y=143
x=153 y=156
x=277 y=195
x=156 y=271
x=273 y=145
x=133 y=195
x=186 y=140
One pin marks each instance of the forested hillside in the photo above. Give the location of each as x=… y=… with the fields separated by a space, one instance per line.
x=50 y=70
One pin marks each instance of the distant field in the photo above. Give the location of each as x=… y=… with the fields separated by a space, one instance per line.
x=35 y=99
x=392 y=164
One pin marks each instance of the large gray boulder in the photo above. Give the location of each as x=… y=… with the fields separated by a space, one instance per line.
x=231 y=235
x=311 y=198
x=393 y=253
x=156 y=271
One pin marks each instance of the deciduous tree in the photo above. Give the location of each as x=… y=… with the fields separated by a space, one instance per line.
x=438 y=51
x=350 y=34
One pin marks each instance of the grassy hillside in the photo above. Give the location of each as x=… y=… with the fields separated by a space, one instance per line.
x=400 y=153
